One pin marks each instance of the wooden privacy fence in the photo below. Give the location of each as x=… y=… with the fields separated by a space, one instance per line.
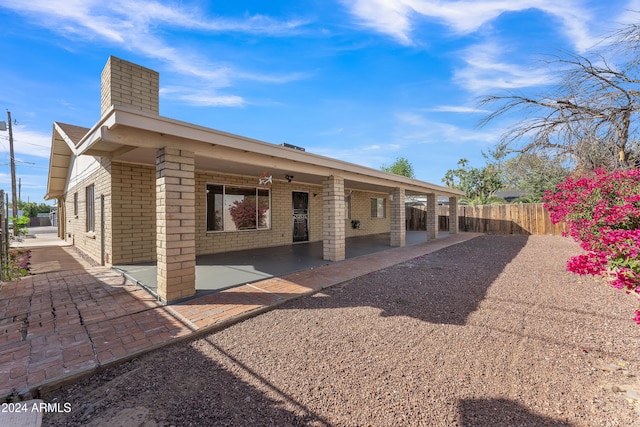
x=519 y=218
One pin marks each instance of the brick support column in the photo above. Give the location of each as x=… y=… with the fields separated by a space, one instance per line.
x=333 y=219
x=398 y=226
x=432 y=217
x=175 y=223
x=453 y=215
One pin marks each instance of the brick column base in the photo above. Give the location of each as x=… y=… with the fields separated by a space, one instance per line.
x=175 y=224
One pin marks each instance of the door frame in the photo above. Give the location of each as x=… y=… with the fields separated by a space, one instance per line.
x=293 y=192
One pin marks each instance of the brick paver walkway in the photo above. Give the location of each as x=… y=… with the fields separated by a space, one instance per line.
x=72 y=318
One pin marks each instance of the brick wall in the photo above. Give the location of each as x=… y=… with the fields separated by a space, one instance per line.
x=134 y=216
x=361 y=210
x=281 y=232
x=131 y=223
x=90 y=242
x=129 y=85
x=175 y=224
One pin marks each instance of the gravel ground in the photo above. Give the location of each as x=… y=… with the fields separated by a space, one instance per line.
x=491 y=332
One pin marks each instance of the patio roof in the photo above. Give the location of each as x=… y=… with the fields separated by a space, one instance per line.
x=133 y=136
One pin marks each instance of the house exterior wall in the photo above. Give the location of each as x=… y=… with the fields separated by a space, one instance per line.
x=134 y=216
x=281 y=232
x=130 y=227
x=88 y=171
x=361 y=211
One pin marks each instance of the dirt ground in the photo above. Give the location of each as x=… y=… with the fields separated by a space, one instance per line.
x=490 y=332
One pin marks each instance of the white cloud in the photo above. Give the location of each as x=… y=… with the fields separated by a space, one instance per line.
x=26 y=141
x=631 y=13
x=386 y=16
x=393 y=17
x=133 y=26
x=486 y=70
x=203 y=99
x=414 y=128
x=373 y=155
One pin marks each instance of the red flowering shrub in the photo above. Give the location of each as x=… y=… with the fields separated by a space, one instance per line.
x=602 y=211
x=244 y=213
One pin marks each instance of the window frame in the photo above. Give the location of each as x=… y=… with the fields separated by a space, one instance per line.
x=347 y=206
x=75 y=204
x=214 y=219
x=90 y=210
x=375 y=207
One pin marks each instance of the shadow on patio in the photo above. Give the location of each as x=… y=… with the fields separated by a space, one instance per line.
x=216 y=272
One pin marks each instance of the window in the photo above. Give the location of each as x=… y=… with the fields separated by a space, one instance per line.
x=75 y=204
x=91 y=211
x=231 y=208
x=347 y=207
x=378 y=208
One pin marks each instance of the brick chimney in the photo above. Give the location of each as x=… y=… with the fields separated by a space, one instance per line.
x=129 y=85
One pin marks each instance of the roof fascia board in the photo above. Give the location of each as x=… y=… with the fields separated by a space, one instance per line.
x=65 y=137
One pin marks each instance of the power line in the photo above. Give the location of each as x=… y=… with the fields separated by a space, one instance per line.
x=25 y=142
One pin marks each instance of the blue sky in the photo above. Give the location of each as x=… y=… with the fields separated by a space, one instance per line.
x=365 y=81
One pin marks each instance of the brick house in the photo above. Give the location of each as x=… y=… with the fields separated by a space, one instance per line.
x=138 y=186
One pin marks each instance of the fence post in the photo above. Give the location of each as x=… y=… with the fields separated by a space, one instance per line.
x=3 y=233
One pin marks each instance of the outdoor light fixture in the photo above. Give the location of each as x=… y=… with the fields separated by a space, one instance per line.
x=289 y=177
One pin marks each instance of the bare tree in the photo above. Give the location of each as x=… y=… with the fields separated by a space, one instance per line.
x=591 y=115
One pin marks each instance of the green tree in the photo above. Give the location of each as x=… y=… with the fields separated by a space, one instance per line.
x=533 y=173
x=400 y=167
x=478 y=184
x=31 y=209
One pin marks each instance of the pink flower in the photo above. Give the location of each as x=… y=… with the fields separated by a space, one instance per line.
x=602 y=211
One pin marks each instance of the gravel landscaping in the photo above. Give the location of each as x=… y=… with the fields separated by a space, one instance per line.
x=490 y=332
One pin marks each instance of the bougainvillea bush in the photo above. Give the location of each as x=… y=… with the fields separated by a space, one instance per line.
x=602 y=211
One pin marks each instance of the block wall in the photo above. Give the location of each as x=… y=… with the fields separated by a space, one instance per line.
x=333 y=244
x=129 y=85
x=361 y=210
x=281 y=232
x=75 y=226
x=432 y=216
x=130 y=198
x=134 y=216
x=175 y=223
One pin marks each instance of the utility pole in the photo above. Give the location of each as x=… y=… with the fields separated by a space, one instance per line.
x=14 y=198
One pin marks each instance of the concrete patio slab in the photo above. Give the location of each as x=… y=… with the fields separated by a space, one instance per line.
x=225 y=270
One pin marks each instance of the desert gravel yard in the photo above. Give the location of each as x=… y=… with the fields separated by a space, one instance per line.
x=490 y=332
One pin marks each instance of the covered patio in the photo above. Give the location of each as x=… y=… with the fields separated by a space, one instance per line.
x=216 y=272
x=155 y=197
